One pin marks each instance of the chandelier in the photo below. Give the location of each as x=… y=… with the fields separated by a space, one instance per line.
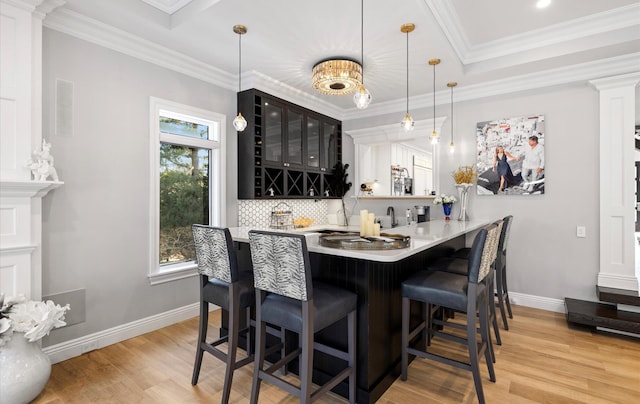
x=337 y=76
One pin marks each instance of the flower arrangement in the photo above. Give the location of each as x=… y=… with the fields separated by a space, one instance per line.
x=34 y=319
x=464 y=175
x=442 y=199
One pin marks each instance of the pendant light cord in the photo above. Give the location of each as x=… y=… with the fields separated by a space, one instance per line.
x=362 y=39
x=434 y=98
x=239 y=62
x=451 y=114
x=407 y=72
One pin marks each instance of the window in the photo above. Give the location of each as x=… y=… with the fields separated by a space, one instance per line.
x=187 y=184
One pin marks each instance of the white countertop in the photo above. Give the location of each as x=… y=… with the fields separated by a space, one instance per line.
x=423 y=236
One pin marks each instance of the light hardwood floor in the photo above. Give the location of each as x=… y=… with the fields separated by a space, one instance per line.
x=541 y=360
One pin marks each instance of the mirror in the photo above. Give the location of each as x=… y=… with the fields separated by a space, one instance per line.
x=394 y=163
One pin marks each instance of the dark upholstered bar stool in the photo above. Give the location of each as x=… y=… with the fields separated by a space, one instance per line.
x=460 y=266
x=465 y=294
x=287 y=297
x=502 y=291
x=222 y=284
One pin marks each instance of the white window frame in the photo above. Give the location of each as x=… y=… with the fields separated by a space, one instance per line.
x=217 y=185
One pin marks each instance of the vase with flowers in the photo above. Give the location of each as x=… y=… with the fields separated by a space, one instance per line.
x=25 y=368
x=447 y=202
x=464 y=177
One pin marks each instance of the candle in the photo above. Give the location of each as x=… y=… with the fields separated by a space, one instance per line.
x=376 y=229
x=364 y=214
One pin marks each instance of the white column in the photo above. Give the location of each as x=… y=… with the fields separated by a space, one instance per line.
x=617 y=185
x=20 y=133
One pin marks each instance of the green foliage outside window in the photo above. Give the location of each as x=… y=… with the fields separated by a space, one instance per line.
x=184 y=199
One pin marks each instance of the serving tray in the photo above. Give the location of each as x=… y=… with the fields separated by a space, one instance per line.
x=353 y=241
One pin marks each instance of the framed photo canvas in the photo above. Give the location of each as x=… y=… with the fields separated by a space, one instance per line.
x=511 y=156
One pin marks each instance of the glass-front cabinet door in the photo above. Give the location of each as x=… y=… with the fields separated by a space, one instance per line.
x=313 y=143
x=328 y=155
x=273 y=117
x=294 y=155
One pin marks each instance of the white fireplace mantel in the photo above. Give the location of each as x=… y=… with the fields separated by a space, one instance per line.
x=27 y=189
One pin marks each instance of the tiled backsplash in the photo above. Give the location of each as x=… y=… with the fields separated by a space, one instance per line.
x=258 y=212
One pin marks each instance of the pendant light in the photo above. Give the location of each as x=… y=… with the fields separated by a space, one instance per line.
x=434 y=134
x=452 y=146
x=239 y=122
x=362 y=97
x=407 y=123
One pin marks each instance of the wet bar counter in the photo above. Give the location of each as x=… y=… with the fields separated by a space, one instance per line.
x=375 y=276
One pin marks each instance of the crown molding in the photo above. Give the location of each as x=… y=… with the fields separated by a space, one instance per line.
x=168 y=6
x=88 y=29
x=579 y=28
x=615 y=82
x=29 y=5
x=579 y=73
x=46 y=7
x=449 y=22
x=394 y=133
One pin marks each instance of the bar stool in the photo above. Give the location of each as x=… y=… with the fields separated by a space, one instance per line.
x=460 y=266
x=502 y=291
x=465 y=294
x=222 y=284
x=287 y=297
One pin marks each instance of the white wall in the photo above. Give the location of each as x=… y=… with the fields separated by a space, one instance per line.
x=545 y=257
x=95 y=227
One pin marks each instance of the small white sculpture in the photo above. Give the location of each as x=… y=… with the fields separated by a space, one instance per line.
x=41 y=164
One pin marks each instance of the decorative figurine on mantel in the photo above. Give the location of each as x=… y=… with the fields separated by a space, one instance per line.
x=41 y=164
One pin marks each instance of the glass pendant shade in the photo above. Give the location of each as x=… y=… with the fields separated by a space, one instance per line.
x=452 y=148
x=239 y=122
x=362 y=98
x=434 y=137
x=408 y=123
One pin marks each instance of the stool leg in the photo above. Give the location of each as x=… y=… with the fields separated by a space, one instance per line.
x=234 y=319
x=202 y=337
x=250 y=346
x=492 y=311
x=485 y=333
x=406 y=306
x=500 y=293
x=260 y=348
x=351 y=335
x=306 y=358
x=506 y=291
x=472 y=346
x=283 y=350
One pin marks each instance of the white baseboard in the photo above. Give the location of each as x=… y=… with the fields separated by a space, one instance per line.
x=76 y=347
x=537 y=302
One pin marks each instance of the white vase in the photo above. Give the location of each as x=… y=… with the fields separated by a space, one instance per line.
x=463 y=194
x=25 y=370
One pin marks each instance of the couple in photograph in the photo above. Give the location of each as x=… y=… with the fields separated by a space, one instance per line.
x=532 y=166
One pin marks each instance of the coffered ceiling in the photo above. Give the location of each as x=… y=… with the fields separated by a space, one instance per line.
x=481 y=43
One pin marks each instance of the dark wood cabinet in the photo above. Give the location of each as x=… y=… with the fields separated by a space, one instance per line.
x=286 y=151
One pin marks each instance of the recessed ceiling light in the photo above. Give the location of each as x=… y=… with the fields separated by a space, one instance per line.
x=543 y=3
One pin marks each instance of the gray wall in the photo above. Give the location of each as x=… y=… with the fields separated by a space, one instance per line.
x=96 y=226
x=545 y=257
